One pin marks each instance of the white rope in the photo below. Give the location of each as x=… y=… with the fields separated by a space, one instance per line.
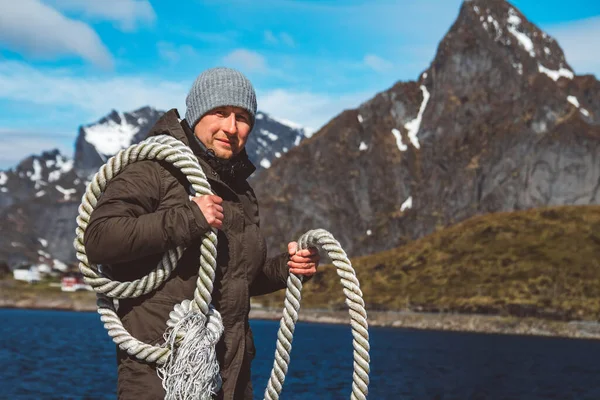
x=195 y=326
x=358 y=317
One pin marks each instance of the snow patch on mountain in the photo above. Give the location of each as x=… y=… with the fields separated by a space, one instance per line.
x=413 y=126
x=518 y=67
x=64 y=164
x=399 y=143
x=555 y=75
x=67 y=193
x=408 y=203
x=573 y=100
x=514 y=23
x=37 y=171
x=111 y=136
x=268 y=134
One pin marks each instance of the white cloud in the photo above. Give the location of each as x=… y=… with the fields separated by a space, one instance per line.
x=174 y=53
x=579 y=40
x=283 y=37
x=246 y=59
x=311 y=110
x=377 y=63
x=92 y=96
x=270 y=38
x=35 y=29
x=125 y=13
x=287 y=39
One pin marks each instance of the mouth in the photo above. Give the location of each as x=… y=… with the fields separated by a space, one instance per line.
x=224 y=141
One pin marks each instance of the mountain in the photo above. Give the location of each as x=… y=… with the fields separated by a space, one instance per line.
x=499 y=263
x=497 y=122
x=39 y=198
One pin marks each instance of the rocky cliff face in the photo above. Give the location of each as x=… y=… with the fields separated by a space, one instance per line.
x=497 y=122
x=39 y=198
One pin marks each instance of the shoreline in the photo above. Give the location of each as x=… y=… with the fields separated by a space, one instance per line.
x=475 y=323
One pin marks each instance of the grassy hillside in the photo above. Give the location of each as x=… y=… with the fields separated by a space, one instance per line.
x=541 y=263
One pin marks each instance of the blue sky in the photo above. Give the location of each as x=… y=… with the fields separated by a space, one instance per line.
x=64 y=63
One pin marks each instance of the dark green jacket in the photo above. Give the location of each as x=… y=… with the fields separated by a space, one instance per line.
x=146 y=210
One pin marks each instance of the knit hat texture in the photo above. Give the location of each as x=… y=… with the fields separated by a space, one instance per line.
x=217 y=87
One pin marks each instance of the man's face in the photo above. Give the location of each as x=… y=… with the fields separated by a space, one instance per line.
x=225 y=130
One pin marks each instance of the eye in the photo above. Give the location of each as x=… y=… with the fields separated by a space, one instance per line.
x=241 y=117
x=219 y=113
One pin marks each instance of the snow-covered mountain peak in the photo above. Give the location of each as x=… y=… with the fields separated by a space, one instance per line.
x=534 y=51
x=112 y=135
x=98 y=141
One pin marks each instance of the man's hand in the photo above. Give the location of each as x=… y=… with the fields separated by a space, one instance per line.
x=303 y=262
x=211 y=207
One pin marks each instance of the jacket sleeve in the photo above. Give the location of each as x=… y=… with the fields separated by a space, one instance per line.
x=125 y=224
x=273 y=276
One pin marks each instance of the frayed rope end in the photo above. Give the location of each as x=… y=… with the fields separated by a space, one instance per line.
x=192 y=370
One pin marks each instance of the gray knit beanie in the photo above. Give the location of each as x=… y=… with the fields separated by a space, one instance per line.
x=218 y=87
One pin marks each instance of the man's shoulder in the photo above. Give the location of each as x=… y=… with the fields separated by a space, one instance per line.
x=141 y=169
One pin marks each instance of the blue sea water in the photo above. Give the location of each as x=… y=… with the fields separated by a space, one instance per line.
x=68 y=355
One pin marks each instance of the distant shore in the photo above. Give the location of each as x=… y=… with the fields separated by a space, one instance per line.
x=85 y=301
x=450 y=322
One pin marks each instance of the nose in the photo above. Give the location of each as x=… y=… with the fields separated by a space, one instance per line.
x=230 y=124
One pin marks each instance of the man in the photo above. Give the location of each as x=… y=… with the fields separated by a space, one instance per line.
x=147 y=209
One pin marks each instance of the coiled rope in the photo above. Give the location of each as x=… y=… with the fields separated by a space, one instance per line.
x=169 y=149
